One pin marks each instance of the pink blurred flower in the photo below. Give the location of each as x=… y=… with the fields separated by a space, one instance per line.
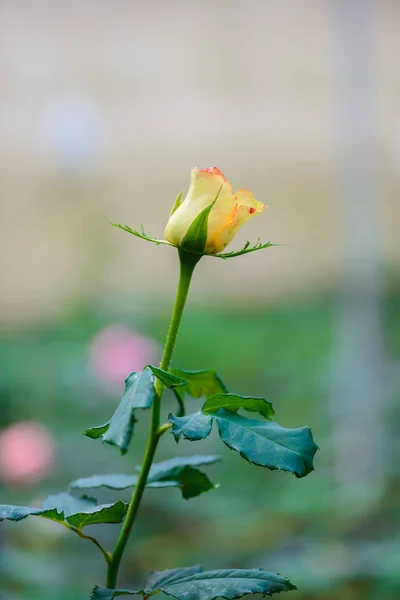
x=27 y=453
x=117 y=351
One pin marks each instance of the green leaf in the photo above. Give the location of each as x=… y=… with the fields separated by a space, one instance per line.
x=268 y=444
x=139 y=393
x=17 y=513
x=168 y=379
x=67 y=504
x=195 y=239
x=200 y=383
x=233 y=402
x=63 y=507
x=169 y=466
x=96 y=432
x=191 y=583
x=141 y=235
x=224 y=583
x=117 y=481
x=159 y=579
x=179 y=472
x=196 y=426
x=245 y=250
x=103 y=513
x=191 y=481
x=182 y=472
x=83 y=511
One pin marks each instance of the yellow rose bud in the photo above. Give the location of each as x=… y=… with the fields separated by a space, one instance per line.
x=229 y=212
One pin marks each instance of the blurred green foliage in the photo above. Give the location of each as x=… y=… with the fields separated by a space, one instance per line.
x=256 y=518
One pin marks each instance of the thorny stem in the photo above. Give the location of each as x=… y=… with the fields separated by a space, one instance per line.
x=187 y=265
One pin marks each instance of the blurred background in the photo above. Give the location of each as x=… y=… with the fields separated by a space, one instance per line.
x=105 y=108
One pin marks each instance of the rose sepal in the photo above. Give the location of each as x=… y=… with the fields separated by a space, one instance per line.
x=247 y=248
x=142 y=235
x=195 y=239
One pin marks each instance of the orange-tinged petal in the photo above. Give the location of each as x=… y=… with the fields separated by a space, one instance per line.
x=227 y=215
x=246 y=198
x=214 y=172
x=246 y=206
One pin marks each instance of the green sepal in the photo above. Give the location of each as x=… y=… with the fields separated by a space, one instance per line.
x=177 y=202
x=169 y=380
x=247 y=248
x=267 y=444
x=192 y=583
x=180 y=472
x=195 y=239
x=139 y=393
x=233 y=402
x=65 y=508
x=142 y=235
x=196 y=426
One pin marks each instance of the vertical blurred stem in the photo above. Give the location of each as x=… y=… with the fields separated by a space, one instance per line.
x=187 y=265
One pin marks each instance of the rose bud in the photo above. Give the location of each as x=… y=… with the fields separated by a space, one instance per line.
x=228 y=212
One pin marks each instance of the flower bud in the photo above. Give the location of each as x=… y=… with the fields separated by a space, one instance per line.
x=228 y=213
